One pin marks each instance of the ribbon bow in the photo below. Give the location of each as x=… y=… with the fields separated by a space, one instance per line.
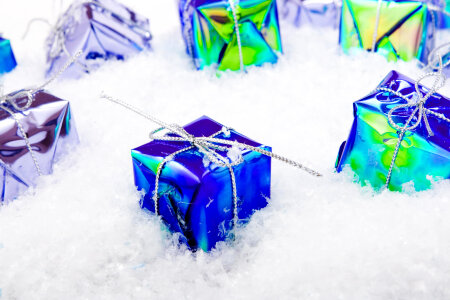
x=207 y=146
x=418 y=103
x=10 y=104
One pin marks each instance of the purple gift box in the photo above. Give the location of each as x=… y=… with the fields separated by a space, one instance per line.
x=49 y=130
x=320 y=13
x=102 y=30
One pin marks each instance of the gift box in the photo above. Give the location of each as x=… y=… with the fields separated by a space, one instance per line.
x=102 y=30
x=320 y=13
x=196 y=196
x=443 y=16
x=404 y=31
x=423 y=156
x=7 y=59
x=208 y=28
x=49 y=132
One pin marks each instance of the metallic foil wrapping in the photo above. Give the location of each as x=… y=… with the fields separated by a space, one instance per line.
x=208 y=28
x=195 y=196
x=370 y=146
x=102 y=30
x=50 y=130
x=404 y=31
x=317 y=13
x=7 y=59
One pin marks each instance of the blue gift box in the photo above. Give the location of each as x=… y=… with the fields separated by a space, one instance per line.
x=195 y=196
x=7 y=59
x=371 y=146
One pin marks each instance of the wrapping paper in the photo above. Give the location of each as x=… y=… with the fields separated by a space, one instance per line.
x=7 y=59
x=211 y=39
x=102 y=30
x=195 y=196
x=50 y=129
x=405 y=29
x=370 y=146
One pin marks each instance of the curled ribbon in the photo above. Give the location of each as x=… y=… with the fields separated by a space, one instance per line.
x=10 y=104
x=207 y=146
x=418 y=103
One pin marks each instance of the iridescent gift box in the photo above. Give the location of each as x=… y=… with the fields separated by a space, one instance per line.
x=195 y=195
x=208 y=28
x=50 y=132
x=370 y=146
x=320 y=13
x=443 y=16
x=405 y=28
x=102 y=30
x=7 y=59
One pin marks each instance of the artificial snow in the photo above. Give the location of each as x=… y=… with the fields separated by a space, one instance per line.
x=80 y=234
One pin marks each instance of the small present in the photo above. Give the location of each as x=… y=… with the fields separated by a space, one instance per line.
x=7 y=59
x=102 y=30
x=320 y=13
x=195 y=196
x=36 y=129
x=438 y=55
x=211 y=37
x=399 y=136
x=396 y=29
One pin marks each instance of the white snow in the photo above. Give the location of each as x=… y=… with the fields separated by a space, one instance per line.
x=80 y=233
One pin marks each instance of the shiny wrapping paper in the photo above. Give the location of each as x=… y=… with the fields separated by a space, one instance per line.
x=211 y=39
x=102 y=30
x=50 y=129
x=320 y=13
x=443 y=20
x=405 y=29
x=195 y=197
x=370 y=146
x=7 y=59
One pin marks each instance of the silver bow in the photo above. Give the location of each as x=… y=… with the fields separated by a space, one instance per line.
x=10 y=104
x=417 y=102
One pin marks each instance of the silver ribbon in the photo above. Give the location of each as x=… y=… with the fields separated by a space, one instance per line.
x=207 y=146
x=187 y=32
x=9 y=103
x=418 y=103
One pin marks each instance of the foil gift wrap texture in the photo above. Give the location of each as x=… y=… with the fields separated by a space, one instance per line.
x=443 y=16
x=320 y=13
x=195 y=196
x=405 y=29
x=208 y=28
x=102 y=30
x=7 y=59
x=51 y=132
x=370 y=146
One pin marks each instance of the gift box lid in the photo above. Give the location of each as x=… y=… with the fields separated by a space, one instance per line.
x=191 y=160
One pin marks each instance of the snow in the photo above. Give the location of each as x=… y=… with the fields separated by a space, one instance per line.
x=80 y=233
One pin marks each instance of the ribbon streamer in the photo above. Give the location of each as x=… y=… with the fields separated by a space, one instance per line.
x=418 y=103
x=9 y=104
x=205 y=145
